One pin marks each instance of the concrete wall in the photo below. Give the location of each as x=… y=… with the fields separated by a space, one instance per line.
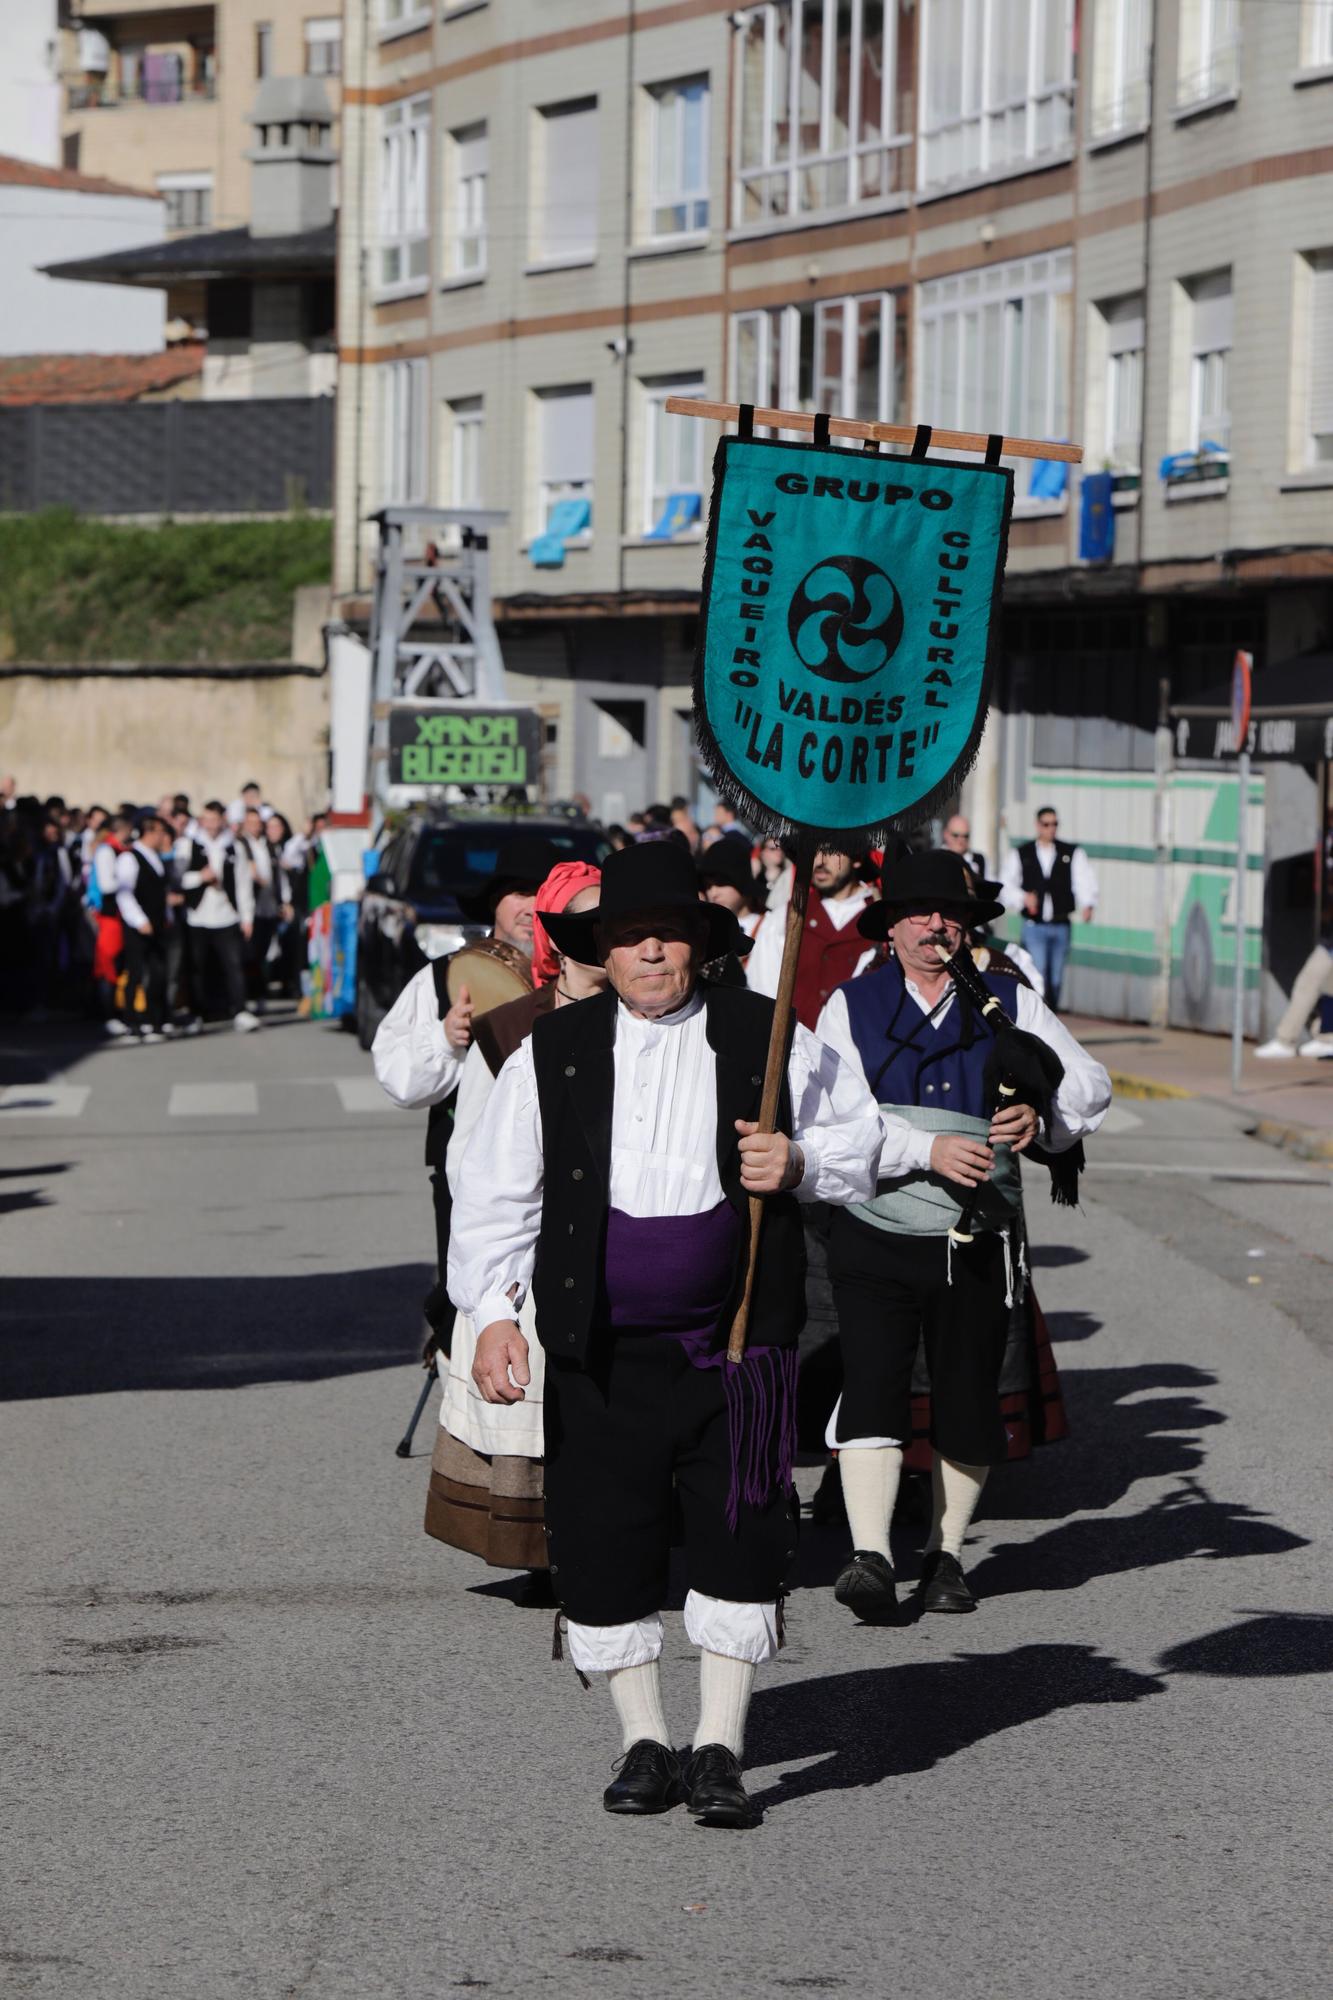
x=113 y=733
x=54 y=315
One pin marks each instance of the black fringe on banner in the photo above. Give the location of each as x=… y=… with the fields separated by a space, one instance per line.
x=733 y=790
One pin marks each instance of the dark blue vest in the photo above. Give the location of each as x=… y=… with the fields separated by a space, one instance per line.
x=907 y=1059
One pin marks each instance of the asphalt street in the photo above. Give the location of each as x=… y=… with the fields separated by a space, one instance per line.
x=264 y=1738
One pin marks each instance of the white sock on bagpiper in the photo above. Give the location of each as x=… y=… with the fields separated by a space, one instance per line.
x=957 y=1490
x=870 y=1475
x=637 y=1694
x=725 y=1686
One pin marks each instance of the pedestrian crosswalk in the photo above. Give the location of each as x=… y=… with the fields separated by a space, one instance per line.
x=357 y=1096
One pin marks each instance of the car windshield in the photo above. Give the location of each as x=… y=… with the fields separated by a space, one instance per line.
x=453 y=858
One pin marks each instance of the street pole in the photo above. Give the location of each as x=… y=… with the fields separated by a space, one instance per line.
x=1238 y=997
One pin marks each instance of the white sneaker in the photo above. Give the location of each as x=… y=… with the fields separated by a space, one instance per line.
x=1275 y=1051
x=150 y=1035
x=245 y=1022
x=1320 y=1047
x=194 y=1026
x=116 y=1031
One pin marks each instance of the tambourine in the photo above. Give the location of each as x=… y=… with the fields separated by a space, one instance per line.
x=492 y=972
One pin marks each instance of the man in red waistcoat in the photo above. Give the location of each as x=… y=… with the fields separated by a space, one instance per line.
x=832 y=949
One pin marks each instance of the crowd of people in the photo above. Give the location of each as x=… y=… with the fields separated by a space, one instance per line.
x=151 y=919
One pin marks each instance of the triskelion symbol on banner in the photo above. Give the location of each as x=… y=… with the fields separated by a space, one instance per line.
x=845 y=619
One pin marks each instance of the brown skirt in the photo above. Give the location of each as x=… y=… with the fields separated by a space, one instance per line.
x=488 y=1506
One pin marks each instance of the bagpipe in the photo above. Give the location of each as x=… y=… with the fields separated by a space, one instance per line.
x=1020 y=1069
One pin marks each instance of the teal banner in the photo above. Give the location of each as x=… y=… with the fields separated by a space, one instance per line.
x=850 y=625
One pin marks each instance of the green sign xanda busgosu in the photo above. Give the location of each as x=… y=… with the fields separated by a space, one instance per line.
x=850 y=619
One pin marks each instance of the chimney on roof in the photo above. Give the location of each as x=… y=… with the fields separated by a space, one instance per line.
x=292 y=159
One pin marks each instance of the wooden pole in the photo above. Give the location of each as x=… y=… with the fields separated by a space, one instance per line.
x=779 y=1041
x=858 y=427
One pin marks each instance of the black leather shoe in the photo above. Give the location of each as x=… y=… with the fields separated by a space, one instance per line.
x=866 y=1587
x=717 y=1794
x=943 y=1586
x=648 y=1780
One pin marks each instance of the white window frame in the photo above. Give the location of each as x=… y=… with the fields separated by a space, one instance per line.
x=403 y=248
x=551 y=488
x=187 y=183
x=657 y=490
x=1008 y=294
x=1316 y=397
x=783 y=185
x=547 y=254
x=1121 y=87
x=402 y=419
x=1317 y=34
x=263 y=50
x=990 y=134
x=1124 y=318
x=323 y=31
x=466 y=249
x=1210 y=363
x=779 y=336
x=402 y=17
x=692 y=197
x=467 y=442
x=1208 y=63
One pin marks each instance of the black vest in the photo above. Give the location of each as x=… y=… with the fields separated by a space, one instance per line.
x=572 y=1052
x=150 y=893
x=1058 y=885
x=199 y=859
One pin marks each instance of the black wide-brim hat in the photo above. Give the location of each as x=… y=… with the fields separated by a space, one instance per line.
x=638 y=881
x=523 y=862
x=728 y=861
x=936 y=880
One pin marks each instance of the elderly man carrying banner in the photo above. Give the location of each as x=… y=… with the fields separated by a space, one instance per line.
x=622 y=1150
x=922 y=1046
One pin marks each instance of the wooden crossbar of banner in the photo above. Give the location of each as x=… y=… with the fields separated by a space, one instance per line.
x=858 y=427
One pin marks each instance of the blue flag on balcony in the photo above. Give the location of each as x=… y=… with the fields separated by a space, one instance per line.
x=568 y=518
x=681 y=512
x=1096 y=520
x=849 y=632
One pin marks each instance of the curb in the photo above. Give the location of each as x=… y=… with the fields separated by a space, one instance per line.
x=1307 y=1142
x=1141 y=1087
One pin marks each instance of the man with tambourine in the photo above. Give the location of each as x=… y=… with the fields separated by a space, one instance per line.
x=933 y=1253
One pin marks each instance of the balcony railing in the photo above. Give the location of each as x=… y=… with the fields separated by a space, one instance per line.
x=104 y=95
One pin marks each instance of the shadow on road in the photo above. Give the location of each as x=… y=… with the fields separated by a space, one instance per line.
x=884 y=1722
x=88 y=1336
x=1269 y=1645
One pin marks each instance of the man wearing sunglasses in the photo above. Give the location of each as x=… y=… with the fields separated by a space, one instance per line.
x=1048 y=879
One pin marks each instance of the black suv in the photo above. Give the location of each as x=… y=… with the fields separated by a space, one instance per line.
x=410 y=911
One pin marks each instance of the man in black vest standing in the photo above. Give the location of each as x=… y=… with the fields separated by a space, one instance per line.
x=1048 y=879
x=622 y=1146
x=141 y=902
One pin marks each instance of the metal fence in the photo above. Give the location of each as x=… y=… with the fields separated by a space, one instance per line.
x=270 y=456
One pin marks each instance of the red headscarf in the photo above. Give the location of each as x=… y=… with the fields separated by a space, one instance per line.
x=556 y=893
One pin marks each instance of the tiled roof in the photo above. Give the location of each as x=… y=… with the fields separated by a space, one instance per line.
x=96 y=378
x=26 y=173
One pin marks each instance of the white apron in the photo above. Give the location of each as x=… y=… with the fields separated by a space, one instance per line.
x=512 y=1430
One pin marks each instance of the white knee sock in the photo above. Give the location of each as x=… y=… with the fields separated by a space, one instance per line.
x=957 y=1491
x=725 y=1686
x=637 y=1694
x=870 y=1477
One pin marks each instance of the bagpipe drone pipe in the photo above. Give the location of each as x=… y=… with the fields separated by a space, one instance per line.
x=1020 y=1069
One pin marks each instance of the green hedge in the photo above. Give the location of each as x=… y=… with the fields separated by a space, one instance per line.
x=77 y=589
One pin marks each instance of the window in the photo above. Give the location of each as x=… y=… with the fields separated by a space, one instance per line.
x=673 y=449
x=403 y=13
x=1319 y=397
x=324 y=46
x=846 y=357
x=1317 y=34
x=1210 y=360
x=1209 y=59
x=188 y=198
x=468 y=164
x=565 y=448
x=404 y=176
x=565 y=183
x=994 y=350
x=678 y=170
x=402 y=433
x=263 y=48
x=466 y=430
x=820 y=122
x=997 y=85
x=1121 y=33
x=1124 y=380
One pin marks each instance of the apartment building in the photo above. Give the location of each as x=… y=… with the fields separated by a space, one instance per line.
x=1110 y=220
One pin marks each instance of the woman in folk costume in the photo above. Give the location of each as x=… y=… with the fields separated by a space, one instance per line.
x=485 y=1493
x=622 y=1147
x=930 y=1055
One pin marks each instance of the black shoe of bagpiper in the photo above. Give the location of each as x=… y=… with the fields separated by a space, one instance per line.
x=866 y=1587
x=943 y=1586
x=717 y=1794
x=648 y=1780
